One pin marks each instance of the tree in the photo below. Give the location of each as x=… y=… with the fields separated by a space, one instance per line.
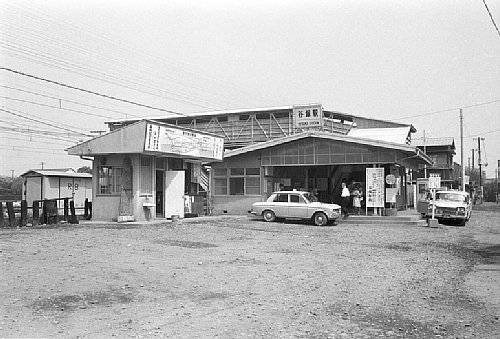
x=84 y=169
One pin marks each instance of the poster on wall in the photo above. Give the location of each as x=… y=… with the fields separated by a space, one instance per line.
x=375 y=187
x=178 y=141
x=307 y=116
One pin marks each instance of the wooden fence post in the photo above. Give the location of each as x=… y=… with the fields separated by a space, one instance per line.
x=86 y=210
x=73 y=219
x=24 y=212
x=10 y=211
x=66 y=211
x=36 y=213
x=44 y=212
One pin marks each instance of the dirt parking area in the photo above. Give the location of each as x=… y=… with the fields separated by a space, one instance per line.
x=232 y=277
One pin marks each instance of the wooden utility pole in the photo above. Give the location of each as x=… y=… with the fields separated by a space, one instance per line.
x=425 y=151
x=480 y=165
x=462 y=148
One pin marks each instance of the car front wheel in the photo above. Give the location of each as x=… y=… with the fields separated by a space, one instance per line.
x=320 y=219
x=269 y=215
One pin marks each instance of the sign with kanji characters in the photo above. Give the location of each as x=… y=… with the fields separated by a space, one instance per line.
x=307 y=116
x=169 y=139
x=434 y=180
x=375 y=187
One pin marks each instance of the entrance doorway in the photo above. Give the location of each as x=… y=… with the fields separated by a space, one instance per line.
x=159 y=193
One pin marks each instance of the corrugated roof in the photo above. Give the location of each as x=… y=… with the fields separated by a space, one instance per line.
x=444 y=141
x=57 y=173
x=397 y=135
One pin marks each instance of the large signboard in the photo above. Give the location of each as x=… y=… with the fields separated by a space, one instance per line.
x=168 y=139
x=307 y=116
x=374 y=187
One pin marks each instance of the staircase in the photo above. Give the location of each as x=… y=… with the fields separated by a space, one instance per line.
x=407 y=218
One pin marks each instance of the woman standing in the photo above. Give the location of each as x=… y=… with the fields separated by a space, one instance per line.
x=356 y=199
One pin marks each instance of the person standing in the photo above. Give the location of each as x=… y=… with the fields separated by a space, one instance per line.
x=356 y=199
x=344 y=200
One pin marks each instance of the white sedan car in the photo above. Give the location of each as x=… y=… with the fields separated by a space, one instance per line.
x=452 y=205
x=296 y=205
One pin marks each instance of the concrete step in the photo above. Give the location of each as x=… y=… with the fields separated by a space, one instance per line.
x=410 y=220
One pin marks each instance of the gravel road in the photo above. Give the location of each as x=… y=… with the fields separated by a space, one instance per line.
x=232 y=277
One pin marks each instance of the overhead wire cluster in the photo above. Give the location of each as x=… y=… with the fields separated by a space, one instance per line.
x=26 y=103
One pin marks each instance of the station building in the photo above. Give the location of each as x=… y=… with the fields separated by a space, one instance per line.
x=298 y=147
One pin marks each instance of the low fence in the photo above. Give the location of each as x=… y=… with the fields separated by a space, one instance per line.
x=46 y=211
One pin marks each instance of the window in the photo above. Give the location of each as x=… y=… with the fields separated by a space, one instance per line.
x=282 y=198
x=239 y=181
x=146 y=175
x=236 y=186
x=220 y=186
x=109 y=180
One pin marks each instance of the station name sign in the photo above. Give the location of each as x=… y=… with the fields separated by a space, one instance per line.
x=307 y=116
x=168 y=139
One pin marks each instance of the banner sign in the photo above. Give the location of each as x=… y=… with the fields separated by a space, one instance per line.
x=307 y=116
x=168 y=139
x=375 y=187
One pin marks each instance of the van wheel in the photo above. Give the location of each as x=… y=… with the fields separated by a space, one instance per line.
x=269 y=215
x=320 y=219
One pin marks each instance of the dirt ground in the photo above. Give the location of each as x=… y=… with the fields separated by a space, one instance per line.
x=232 y=277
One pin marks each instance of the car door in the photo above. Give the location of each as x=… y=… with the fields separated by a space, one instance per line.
x=297 y=208
x=280 y=205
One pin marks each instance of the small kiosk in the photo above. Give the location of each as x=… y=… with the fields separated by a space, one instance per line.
x=143 y=170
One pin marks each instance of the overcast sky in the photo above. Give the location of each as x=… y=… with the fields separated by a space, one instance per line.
x=394 y=60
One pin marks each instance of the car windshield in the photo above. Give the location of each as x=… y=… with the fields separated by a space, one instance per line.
x=309 y=197
x=451 y=197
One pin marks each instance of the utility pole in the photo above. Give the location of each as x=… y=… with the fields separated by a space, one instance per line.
x=462 y=148
x=480 y=165
x=425 y=151
x=42 y=164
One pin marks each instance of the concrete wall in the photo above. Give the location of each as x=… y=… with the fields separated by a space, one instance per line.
x=104 y=207
x=107 y=207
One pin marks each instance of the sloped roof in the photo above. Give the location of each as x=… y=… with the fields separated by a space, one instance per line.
x=444 y=141
x=56 y=173
x=131 y=139
x=397 y=135
x=330 y=136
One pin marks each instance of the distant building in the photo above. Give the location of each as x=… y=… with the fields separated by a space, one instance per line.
x=57 y=183
x=441 y=152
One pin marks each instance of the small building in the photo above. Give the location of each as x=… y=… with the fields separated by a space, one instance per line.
x=42 y=184
x=144 y=170
x=441 y=152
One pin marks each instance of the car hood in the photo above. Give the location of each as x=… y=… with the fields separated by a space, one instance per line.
x=323 y=205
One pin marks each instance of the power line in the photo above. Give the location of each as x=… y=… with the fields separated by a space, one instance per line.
x=90 y=92
x=57 y=107
x=491 y=17
x=448 y=110
x=45 y=123
x=67 y=100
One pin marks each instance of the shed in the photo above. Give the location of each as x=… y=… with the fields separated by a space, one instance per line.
x=57 y=183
